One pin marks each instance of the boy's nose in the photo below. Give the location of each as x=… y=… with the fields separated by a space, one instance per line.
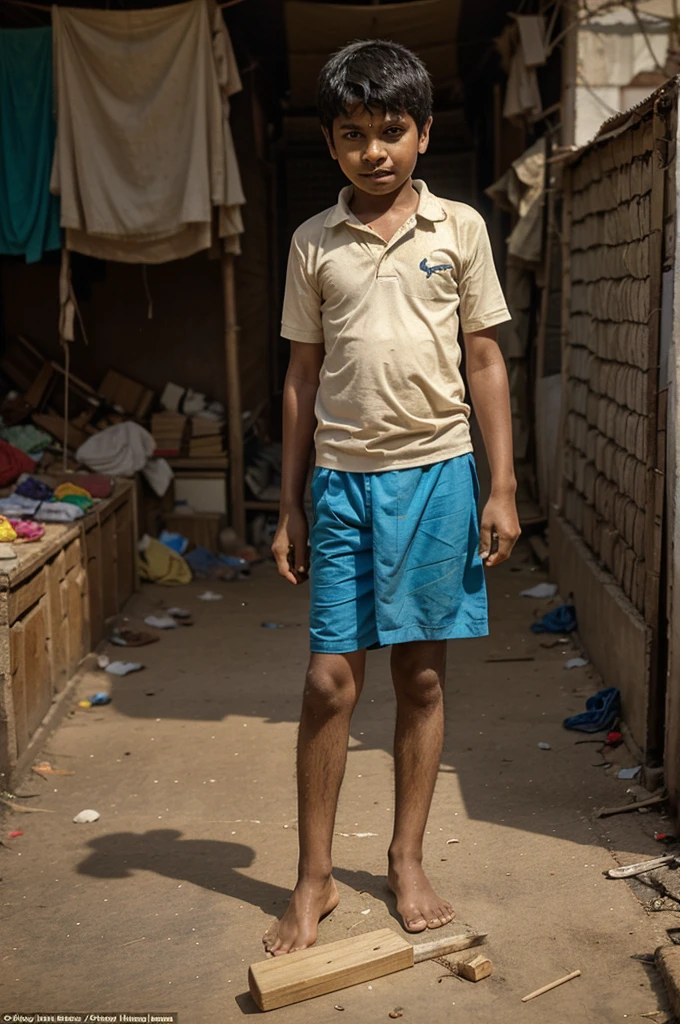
x=375 y=151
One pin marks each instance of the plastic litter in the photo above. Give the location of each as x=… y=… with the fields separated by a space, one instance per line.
x=175 y=541
x=123 y=668
x=100 y=698
x=103 y=661
x=161 y=621
x=614 y=739
x=86 y=816
x=629 y=773
x=132 y=638
x=272 y=625
x=210 y=595
x=560 y=620
x=576 y=663
x=85 y=703
x=540 y=590
x=179 y=613
x=15 y=833
x=602 y=710
x=545 y=746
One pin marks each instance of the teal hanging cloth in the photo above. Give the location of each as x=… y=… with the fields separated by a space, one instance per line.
x=29 y=215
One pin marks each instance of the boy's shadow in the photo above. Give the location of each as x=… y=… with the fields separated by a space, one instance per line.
x=210 y=863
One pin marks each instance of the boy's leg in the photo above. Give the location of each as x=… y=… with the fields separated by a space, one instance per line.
x=333 y=686
x=418 y=671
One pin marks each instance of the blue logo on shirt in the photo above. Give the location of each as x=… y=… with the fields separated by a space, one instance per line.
x=433 y=270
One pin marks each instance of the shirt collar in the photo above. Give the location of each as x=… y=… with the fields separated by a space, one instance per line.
x=429 y=208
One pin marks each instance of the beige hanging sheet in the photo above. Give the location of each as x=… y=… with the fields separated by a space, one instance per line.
x=144 y=155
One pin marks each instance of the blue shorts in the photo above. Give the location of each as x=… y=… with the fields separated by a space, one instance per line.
x=395 y=557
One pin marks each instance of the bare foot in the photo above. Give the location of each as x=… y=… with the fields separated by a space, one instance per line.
x=417 y=902
x=299 y=926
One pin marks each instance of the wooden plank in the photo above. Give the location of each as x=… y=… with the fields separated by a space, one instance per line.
x=57 y=636
x=235 y=425
x=75 y=595
x=36 y=392
x=94 y=578
x=567 y=217
x=188 y=462
x=37 y=685
x=73 y=556
x=26 y=594
x=18 y=686
x=109 y=567
x=289 y=979
x=125 y=562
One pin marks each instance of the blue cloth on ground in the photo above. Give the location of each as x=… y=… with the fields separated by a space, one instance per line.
x=602 y=710
x=559 y=620
x=29 y=215
x=395 y=557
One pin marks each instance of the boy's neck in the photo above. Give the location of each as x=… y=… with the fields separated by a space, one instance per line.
x=367 y=207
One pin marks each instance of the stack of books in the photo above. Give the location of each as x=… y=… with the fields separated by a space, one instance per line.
x=169 y=432
x=207 y=437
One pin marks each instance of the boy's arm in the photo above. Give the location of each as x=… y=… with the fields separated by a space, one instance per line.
x=299 y=423
x=490 y=394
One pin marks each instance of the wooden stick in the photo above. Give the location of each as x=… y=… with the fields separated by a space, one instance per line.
x=630 y=870
x=653 y=801
x=237 y=514
x=442 y=947
x=552 y=985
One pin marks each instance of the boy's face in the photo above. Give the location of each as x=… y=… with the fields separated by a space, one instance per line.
x=377 y=151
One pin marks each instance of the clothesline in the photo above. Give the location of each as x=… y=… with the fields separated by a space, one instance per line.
x=48 y=7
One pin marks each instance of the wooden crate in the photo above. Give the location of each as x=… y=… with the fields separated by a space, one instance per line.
x=54 y=603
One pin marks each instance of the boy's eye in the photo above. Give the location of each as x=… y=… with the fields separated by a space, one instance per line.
x=352 y=135
x=394 y=131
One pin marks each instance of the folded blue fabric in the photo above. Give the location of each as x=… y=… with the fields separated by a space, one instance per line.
x=602 y=709
x=175 y=541
x=559 y=620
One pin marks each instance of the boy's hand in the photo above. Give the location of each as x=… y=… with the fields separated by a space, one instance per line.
x=499 y=529
x=290 y=547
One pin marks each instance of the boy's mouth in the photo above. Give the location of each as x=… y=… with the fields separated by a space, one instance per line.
x=377 y=175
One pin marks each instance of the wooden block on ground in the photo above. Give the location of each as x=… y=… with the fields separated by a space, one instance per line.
x=476 y=969
x=315 y=972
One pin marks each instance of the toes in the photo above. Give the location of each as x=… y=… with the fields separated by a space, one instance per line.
x=416 y=924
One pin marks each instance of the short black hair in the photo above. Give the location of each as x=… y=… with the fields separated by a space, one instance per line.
x=379 y=74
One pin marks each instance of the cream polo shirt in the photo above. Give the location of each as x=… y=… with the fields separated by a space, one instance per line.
x=391 y=394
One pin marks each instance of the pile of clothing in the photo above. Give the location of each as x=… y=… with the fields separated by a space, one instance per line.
x=34 y=502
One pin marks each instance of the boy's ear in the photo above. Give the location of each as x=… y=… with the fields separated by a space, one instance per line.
x=424 y=140
x=329 y=141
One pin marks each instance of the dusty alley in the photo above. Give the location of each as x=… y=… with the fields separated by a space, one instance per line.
x=161 y=904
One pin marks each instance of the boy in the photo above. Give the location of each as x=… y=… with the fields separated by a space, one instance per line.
x=375 y=289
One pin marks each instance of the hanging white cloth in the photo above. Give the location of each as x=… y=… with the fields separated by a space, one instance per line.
x=144 y=154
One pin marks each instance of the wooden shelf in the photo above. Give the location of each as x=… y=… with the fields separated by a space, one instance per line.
x=208 y=462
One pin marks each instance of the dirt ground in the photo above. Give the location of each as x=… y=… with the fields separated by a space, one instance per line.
x=160 y=905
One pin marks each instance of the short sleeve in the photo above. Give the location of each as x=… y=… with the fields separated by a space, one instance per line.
x=482 y=303
x=301 y=320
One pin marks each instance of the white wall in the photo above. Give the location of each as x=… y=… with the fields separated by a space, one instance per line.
x=611 y=51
